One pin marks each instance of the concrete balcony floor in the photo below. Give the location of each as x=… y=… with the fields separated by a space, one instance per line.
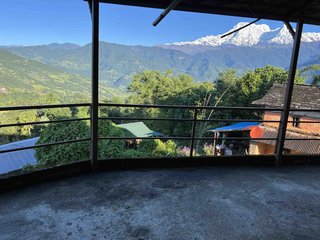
x=200 y=203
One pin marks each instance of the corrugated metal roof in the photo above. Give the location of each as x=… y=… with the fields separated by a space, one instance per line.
x=139 y=129
x=12 y=161
x=305 y=146
x=235 y=127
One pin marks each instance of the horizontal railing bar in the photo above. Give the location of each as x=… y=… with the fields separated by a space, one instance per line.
x=302 y=139
x=149 y=157
x=142 y=138
x=187 y=107
x=150 y=106
x=15 y=108
x=149 y=119
x=146 y=119
x=184 y=138
x=202 y=138
x=304 y=110
x=304 y=122
x=236 y=120
x=43 y=122
x=233 y=138
x=44 y=145
x=185 y=119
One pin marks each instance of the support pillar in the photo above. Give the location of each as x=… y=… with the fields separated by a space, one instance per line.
x=95 y=85
x=288 y=93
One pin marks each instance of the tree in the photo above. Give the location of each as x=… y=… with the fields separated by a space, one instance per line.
x=152 y=87
x=64 y=153
x=316 y=80
x=55 y=113
x=110 y=148
x=61 y=154
x=314 y=71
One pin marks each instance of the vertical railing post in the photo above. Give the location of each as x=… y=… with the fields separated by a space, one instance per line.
x=214 y=144
x=95 y=85
x=193 y=133
x=288 y=93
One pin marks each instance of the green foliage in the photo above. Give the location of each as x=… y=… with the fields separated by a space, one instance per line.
x=152 y=87
x=168 y=148
x=147 y=146
x=316 y=80
x=255 y=84
x=65 y=153
x=314 y=71
x=153 y=148
x=110 y=148
x=26 y=81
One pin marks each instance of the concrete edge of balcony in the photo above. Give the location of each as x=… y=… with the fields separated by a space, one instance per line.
x=17 y=180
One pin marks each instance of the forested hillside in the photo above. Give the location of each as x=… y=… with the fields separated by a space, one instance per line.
x=27 y=82
x=118 y=63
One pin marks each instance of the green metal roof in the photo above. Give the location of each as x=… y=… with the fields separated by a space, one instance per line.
x=139 y=129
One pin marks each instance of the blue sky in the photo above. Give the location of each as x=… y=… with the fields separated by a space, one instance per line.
x=33 y=22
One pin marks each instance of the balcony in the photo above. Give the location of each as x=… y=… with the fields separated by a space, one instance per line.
x=188 y=203
x=188 y=150
x=122 y=197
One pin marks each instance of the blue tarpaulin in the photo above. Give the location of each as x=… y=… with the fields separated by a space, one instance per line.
x=235 y=127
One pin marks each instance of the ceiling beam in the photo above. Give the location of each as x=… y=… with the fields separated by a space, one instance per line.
x=166 y=11
x=90 y=7
x=290 y=28
x=240 y=28
x=285 y=10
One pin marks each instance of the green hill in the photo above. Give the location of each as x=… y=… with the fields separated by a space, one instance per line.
x=119 y=62
x=27 y=82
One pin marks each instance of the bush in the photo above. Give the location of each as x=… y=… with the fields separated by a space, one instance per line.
x=110 y=148
x=64 y=153
x=168 y=148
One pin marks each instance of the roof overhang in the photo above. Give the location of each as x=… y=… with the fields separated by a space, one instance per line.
x=285 y=10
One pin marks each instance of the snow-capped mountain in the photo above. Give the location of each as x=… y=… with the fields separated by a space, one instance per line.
x=254 y=34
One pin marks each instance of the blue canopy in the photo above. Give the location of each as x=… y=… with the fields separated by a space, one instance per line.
x=235 y=127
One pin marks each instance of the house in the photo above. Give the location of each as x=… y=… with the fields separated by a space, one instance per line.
x=234 y=146
x=12 y=161
x=301 y=124
x=137 y=130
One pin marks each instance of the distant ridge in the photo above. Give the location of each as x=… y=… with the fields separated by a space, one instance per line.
x=203 y=59
x=255 y=34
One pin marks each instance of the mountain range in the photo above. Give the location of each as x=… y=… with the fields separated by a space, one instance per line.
x=203 y=59
x=253 y=35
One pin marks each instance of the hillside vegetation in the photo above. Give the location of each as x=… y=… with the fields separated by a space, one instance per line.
x=118 y=63
x=26 y=82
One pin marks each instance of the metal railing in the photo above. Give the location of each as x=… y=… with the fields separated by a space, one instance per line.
x=39 y=107
x=194 y=120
